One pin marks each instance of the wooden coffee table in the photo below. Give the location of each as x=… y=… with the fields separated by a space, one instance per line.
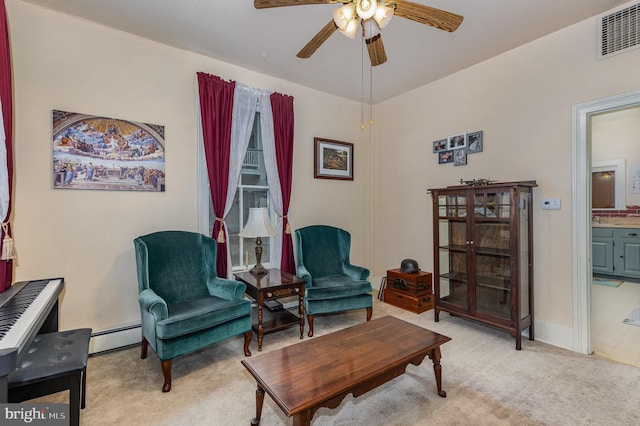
x=321 y=372
x=274 y=285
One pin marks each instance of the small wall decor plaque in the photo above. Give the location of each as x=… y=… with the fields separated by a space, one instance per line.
x=458 y=141
x=474 y=142
x=440 y=145
x=460 y=157
x=445 y=157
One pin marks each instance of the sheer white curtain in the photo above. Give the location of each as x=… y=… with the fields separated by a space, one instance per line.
x=245 y=103
x=271 y=168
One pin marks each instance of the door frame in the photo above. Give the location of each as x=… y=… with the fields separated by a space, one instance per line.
x=581 y=205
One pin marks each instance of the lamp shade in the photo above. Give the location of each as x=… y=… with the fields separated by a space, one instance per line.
x=366 y=8
x=351 y=28
x=344 y=14
x=371 y=29
x=258 y=224
x=383 y=15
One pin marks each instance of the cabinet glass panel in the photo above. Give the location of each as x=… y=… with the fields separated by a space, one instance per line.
x=491 y=205
x=452 y=206
x=492 y=272
x=453 y=277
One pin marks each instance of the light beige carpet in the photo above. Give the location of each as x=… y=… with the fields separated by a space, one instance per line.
x=487 y=382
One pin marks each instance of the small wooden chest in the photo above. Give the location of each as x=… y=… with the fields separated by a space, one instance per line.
x=414 y=303
x=416 y=284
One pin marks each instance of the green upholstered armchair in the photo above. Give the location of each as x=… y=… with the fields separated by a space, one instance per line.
x=184 y=306
x=333 y=284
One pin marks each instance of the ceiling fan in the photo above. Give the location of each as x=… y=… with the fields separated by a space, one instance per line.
x=373 y=16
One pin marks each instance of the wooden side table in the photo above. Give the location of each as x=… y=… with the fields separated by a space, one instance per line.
x=274 y=285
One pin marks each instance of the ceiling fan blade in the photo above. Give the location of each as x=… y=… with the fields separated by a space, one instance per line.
x=441 y=19
x=376 y=50
x=263 y=4
x=317 y=40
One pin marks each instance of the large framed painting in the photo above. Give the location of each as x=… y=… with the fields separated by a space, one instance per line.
x=333 y=159
x=92 y=152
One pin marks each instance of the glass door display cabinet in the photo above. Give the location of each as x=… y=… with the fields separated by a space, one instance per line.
x=483 y=254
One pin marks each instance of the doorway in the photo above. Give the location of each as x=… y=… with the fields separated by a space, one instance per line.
x=581 y=203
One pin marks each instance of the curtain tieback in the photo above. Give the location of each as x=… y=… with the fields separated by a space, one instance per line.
x=8 y=251
x=287 y=229
x=220 y=238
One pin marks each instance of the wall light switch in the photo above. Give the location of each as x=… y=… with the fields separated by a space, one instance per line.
x=551 y=203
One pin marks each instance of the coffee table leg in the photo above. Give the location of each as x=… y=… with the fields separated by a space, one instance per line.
x=259 y=401
x=437 y=369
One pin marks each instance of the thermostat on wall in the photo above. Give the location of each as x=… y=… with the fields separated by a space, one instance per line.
x=551 y=203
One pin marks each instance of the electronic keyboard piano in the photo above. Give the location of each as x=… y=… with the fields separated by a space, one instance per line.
x=27 y=308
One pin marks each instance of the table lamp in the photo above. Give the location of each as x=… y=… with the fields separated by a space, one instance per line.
x=258 y=225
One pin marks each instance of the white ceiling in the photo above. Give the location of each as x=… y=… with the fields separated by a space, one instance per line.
x=267 y=40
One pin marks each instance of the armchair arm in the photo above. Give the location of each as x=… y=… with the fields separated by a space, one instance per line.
x=154 y=304
x=356 y=272
x=302 y=272
x=226 y=289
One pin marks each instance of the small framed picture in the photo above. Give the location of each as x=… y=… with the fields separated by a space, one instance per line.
x=459 y=157
x=445 y=157
x=474 y=142
x=457 y=141
x=332 y=159
x=440 y=145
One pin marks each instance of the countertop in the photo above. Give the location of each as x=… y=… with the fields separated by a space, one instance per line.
x=617 y=222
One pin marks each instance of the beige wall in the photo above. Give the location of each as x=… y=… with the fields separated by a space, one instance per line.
x=86 y=237
x=616 y=135
x=522 y=100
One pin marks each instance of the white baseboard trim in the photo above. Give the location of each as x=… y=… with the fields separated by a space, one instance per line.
x=554 y=334
x=108 y=340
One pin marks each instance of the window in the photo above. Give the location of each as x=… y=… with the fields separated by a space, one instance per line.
x=253 y=191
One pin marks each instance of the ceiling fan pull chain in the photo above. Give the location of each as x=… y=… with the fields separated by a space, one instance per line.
x=370 y=94
x=362 y=84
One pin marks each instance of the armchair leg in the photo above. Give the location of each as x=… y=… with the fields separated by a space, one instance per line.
x=369 y=313
x=166 y=371
x=145 y=346
x=247 y=340
x=310 y=319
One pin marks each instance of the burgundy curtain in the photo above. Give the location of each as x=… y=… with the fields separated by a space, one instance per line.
x=6 y=266
x=216 y=108
x=282 y=107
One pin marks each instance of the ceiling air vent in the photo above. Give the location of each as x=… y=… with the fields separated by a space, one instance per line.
x=619 y=31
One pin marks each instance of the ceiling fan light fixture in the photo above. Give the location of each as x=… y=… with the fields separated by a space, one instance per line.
x=371 y=28
x=351 y=28
x=344 y=14
x=366 y=8
x=383 y=15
